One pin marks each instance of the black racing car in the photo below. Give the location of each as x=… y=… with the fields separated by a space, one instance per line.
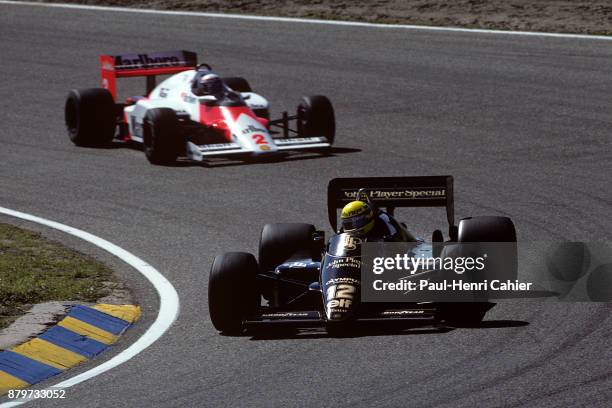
x=302 y=281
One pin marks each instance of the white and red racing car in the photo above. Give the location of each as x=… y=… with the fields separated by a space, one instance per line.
x=193 y=113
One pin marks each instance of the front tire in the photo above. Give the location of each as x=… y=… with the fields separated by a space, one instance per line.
x=161 y=136
x=317 y=114
x=90 y=116
x=231 y=291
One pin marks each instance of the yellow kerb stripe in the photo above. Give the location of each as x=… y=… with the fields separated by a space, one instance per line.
x=129 y=313
x=49 y=354
x=88 y=330
x=8 y=382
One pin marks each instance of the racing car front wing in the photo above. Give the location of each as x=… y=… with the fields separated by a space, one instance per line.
x=296 y=143
x=201 y=152
x=314 y=318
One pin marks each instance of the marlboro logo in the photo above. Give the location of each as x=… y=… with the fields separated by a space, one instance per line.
x=147 y=61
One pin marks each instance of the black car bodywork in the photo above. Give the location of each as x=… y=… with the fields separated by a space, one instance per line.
x=305 y=281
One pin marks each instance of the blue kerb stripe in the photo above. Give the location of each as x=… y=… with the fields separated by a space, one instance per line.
x=24 y=368
x=99 y=319
x=73 y=341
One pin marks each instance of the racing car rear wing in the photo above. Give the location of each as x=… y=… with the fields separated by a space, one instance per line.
x=146 y=64
x=392 y=192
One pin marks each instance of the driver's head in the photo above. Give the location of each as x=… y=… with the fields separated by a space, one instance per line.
x=209 y=84
x=357 y=218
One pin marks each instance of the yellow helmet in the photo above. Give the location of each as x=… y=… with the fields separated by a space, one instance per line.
x=357 y=217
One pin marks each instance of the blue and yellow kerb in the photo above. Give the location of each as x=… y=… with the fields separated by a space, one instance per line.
x=84 y=333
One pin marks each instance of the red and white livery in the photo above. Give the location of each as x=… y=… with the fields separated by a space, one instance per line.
x=193 y=113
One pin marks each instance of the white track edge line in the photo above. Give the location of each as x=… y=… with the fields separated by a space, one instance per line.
x=308 y=21
x=168 y=304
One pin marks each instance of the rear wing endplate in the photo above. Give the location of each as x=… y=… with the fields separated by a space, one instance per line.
x=393 y=192
x=144 y=64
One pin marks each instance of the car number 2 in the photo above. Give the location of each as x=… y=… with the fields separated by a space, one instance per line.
x=259 y=139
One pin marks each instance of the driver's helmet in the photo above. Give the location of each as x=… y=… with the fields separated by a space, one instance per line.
x=357 y=218
x=209 y=84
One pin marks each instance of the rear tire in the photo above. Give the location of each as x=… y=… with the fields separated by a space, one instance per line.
x=318 y=117
x=238 y=84
x=232 y=294
x=161 y=136
x=502 y=265
x=486 y=229
x=282 y=242
x=90 y=116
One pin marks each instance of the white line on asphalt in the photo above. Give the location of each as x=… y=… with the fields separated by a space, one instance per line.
x=168 y=303
x=308 y=20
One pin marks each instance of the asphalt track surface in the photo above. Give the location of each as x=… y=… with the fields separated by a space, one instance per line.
x=523 y=123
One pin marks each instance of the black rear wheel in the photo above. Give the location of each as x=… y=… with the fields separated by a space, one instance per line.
x=238 y=84
x=90 y=116
x=285 y=241
x=232 y=293
x=501 y=263
x=317 y=114
x=486 y=229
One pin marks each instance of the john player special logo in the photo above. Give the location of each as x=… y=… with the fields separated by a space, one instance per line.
x=404 y=194
x=349 y=242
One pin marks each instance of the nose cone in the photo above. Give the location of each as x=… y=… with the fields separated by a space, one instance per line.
x=338 y=310
x=341 y=288
x=254 y=134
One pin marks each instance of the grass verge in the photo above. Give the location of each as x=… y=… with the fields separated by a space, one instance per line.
x=34 y=269
x=575 y=16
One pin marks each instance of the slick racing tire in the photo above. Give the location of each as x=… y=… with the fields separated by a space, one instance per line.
x=318 y=119
x=90 y=116
x=238 y=84
x=161 y=137
x=501 y=263
x=232 y=293
x=285 y=241
x=486 y=229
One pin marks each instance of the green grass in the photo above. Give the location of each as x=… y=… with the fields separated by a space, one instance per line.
x=34 y=270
